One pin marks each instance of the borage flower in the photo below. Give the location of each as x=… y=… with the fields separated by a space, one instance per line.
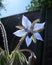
x=31 y=30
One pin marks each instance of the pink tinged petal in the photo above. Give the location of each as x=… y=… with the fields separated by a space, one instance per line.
x=28 y=41
x=26 y=22
x=38 y=36
x=38 y=26
x=20 y=33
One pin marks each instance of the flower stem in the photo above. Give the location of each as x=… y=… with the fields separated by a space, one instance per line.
x=4 y=37
x=27 y=50
x=20 y=42
x=32 y=55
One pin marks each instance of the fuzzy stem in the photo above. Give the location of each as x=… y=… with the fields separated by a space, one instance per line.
x=20 y=42
x=4 y=37
x=26 y=50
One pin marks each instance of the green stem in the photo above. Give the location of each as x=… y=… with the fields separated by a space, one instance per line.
x=27 y=50
x=20 y=42
x=4 y=37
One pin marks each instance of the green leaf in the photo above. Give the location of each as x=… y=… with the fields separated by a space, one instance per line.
x=4 y=60
x=19 y=59
x=22 y=56
x=16 y=60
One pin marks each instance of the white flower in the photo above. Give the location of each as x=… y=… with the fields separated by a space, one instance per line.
x=30 y=30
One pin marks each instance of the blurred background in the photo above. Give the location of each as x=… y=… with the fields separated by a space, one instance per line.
x=12 y=7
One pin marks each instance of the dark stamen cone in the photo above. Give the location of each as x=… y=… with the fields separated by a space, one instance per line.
x=29 y=34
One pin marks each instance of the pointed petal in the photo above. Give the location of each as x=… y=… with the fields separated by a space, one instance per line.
x=37 y=30
x=28 y=41
x=38 y=26
x=25 y=22
x=20 y=33
x=33 y=38
x=38 y=36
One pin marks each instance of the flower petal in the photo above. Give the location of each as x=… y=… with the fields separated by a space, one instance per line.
x=38 y=26
x=20 y=33
x=26 y=22
x=28 y=41
x=38 y=36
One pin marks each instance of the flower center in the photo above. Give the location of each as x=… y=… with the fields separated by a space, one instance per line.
x=29 y=34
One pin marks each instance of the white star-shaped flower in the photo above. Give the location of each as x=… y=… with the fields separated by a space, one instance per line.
x=31 y=30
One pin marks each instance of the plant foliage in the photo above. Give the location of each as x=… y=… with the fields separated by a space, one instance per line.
x=37 y=4
x=16 y=57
